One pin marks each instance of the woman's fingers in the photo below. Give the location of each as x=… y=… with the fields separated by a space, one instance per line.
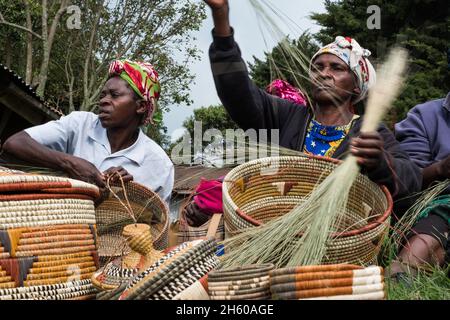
x=127 y=177
x=364 y=142
x=115 y=173
x=366 y=152
x=100 y=178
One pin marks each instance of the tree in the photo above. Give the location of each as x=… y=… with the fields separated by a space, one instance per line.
x=158 y=33
x=288 y=60
x=212 y=117
x=69 y=65
x=158 y=133
x=79 y=58
x=50 y=21
x=422 y=26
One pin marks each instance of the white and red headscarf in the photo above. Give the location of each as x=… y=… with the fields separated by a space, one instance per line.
x=356 y=57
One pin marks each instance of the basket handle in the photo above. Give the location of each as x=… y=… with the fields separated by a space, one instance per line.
x=213 y=225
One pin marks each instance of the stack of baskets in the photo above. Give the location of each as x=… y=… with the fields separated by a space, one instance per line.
x=338 y=282
x=179 y=270
x=47 y=237
x=264 y=189
x=242 y=283
x=117 y=209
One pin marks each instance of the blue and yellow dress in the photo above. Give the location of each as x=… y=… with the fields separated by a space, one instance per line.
x=323 y=140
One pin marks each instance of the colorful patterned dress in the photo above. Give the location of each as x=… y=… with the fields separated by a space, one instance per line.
x=323 y=140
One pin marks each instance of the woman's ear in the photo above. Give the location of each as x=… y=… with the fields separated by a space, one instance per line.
x=141 y=108
x=356 y=92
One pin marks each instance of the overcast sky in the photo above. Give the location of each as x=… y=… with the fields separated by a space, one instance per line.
x=252 y=43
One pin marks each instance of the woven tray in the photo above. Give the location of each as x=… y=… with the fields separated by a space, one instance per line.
x=261 y=190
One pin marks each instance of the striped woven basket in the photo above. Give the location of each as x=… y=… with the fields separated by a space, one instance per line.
x=188 y=233
x=113 y=214
x=197 y=291
x=328 y=282
x=76 y=290
x=242 y=283
x=264 y=189
x=174 y=273
x=47 y=237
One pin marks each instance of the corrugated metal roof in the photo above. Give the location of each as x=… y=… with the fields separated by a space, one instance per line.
x=187 y=177
x=8 y=74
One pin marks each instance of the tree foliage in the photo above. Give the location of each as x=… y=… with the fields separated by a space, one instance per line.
x=283 y=62
x=212 y=117
x=157 y=31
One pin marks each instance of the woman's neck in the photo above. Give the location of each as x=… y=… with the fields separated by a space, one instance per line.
x=332 y=115
x=122 y=138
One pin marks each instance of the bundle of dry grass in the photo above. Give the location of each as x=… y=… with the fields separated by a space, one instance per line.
x=410 y=217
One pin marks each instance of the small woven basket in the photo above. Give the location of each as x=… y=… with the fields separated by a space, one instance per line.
x=120 y=270
x=113 y=215
x=189 y=233
x=264 y=189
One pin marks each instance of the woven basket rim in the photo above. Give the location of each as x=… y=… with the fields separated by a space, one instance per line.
x=164 y=208
x=250 y=269
x=139 y=185
x=381 y=219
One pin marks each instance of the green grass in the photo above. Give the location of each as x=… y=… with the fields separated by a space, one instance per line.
x=431 y=286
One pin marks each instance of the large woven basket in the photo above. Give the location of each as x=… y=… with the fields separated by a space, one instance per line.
x=112 y=215
x=264 y=189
